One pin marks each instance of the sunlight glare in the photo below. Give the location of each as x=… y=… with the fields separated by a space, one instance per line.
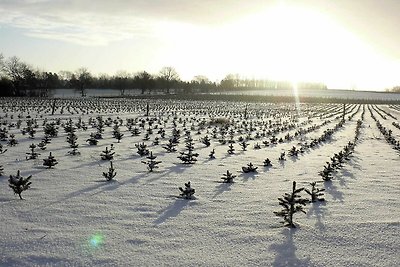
x=285 y=43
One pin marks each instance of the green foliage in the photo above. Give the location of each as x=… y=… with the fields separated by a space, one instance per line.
x=228 y=177
x=111 y=172
x=291 y=203
x=19 y=183
x=50 y=161
x=187 y=192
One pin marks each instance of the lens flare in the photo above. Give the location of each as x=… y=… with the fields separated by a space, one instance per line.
x=96 y=240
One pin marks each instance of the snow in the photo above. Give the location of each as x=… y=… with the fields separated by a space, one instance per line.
x=72 y=216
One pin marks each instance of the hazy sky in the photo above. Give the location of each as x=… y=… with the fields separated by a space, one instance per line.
x=344 y=43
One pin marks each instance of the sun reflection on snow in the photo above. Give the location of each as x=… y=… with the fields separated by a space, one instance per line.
x=296 y=96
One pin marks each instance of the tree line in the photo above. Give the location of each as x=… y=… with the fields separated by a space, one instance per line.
x=18 y=78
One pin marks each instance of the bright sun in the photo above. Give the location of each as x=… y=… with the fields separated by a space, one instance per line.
x=296 y=44
x=284 y=42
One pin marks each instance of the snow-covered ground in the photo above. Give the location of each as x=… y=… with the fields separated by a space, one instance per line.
x=72 y=216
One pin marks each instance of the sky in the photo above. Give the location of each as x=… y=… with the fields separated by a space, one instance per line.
x=345 y=44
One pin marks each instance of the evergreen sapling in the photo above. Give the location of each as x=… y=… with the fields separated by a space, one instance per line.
x=2 y=150
x=291 y=203
x=151 y=163
x=267 y=163
x=12 y=141
x=19 y=183
x=107 y=154
x=111 y=172
x=142 y=149
x=212 y=154
x=50 y=161
x=315 y=192
x=250 y=168
x=189 y=157
x=228 y=177
x=187 y=192
x=32 y=154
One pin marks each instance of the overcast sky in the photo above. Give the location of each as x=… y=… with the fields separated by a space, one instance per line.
x=344 y=43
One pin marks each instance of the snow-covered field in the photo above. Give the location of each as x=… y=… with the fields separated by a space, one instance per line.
x=72 y=216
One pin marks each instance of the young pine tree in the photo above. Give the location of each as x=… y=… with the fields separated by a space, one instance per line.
x=188 y=157
x=111 y=172
x=291 y=203
x=2 y=150
x=317 y=194
x=19 y=183
x=188 y=192
x=107 y=154
x=32 y=154
x=142 y=149
x=50 y=161
x=250 y=168
x=151 y=162
x=228 y=177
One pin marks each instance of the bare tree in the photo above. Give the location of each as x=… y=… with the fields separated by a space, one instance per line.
x=121 y=80
x=83 y=79
x=144 y=81
x=169 y=76
x=20 y=74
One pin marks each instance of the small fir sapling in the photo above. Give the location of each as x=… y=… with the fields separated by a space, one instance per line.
x=326 y=173
x=1 y=170
x=118 y=135
x=250 y=168
x=212 y=154
x=170 y=146
x=107 y=154
x=32 y=154
x=42 y=145
x=12 y=141
x=228 y=177
x=135 y=131
x=231 y=149
x=188 y=157
x=267 y=162
x=293 y=152
x=291 y=203
x=282 y=157
x=151 y=163
x=156 y=141
x=92 y=140
x=19 y=183
x=257 y=146
x=142 y=149
x=206 y=141
x=274 y=140
x=2 y=150
x=50 y=161
x=71 y=139
x=317 y=194
x=111 y=172
x=244 y=145
x=3 y=134
x=46 y=139
x=146 y=137
x=187 y=192
x=31 y=132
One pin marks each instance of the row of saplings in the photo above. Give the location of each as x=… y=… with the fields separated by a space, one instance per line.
x=291 y=202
